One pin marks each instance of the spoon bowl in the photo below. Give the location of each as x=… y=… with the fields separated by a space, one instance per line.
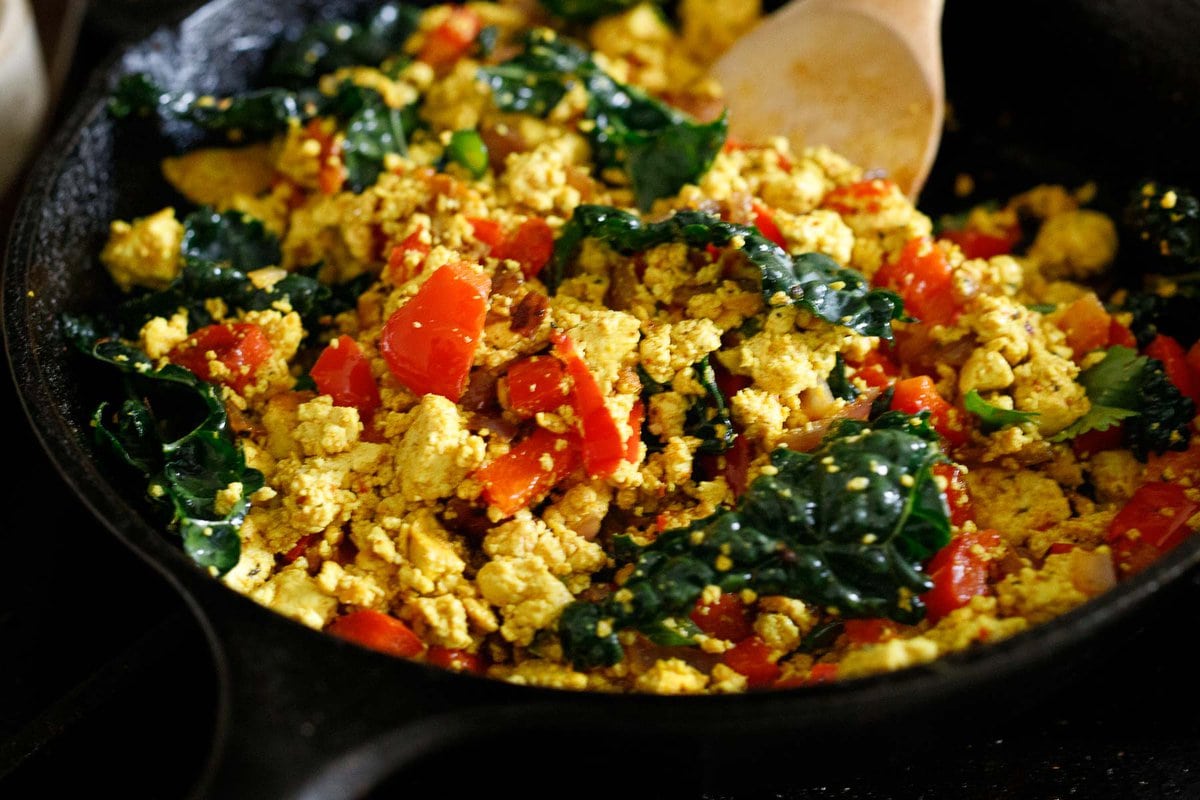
x=861 y=76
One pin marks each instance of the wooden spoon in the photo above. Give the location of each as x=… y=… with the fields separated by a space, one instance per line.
x=861 y=76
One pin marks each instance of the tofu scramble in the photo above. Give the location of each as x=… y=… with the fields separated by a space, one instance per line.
x=508 y=359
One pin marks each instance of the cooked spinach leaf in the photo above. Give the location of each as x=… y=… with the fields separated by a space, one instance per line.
x=327 y=46
x=993 y=417
x=188 y=462
x=845 y=527
x=1135 y=392
x=811 y=281
x=659 y=148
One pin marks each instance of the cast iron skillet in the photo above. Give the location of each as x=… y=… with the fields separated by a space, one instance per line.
x=1079 y=90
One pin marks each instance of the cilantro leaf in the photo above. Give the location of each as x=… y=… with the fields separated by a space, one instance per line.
x=993 y=417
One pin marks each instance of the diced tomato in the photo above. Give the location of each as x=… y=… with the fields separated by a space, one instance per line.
x=868 y=631
x=864 y=197
x=726 y=619
x=531 y=245
x=637 y=415
x=877 y=369
x=1118 y=334
x=1155 y=517
x=959 y=571
x=957 y=496
x=1095 y=441
x=752 y=658
x=765 y=222
x=603 y=447
x=343 y=373
x=1170 y=352
x=455 y=660
x=1087 y=325
x=379 y=632
x=528 y=471
x=921 y=275
x=977 y=244
x=430 y=341
x=913 y=395
x=487 y=231
x=535 y=385
x=451 y=40
x=239 y=347
x=331 y=174
x=398 y=269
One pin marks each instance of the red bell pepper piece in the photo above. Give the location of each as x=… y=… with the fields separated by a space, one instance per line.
x=455 y=660
x=429 y=342
x=637 y=415
x=603 y=447
x=868 y=631
x=241 y=347
x=531 y=246
x=398 y=270
x=535 y=385
x=1170 y=352
x=957 y=496
x=864 y=197
x=1086 y=324
x=1153 y=521
x=913 y=395
x=451 y=40
x=752 y=658
x=331 y=174
x=726 y=619
x=977 y=244
x=1118 y=334
x=922 y=276
x=765 y=222
x=489 y=232
x=378 y=632
x=959 y=572
x=343 y=373
x=1085 y=444
x=527 y=472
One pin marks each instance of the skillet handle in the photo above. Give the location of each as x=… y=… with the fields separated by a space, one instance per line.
x=298 y=710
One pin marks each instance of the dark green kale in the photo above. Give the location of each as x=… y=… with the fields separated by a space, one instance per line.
x=327 y=46
x=843 y=527
x=659 y=148
x=993 y=418
x=811 y=281
x=707 y=418
x=1134 y=392
x=587 y=10
x=1167 y=219
x=372 y=131
x=1172 y=313
x=190 y=455
x=263 y=112
x=839 y=385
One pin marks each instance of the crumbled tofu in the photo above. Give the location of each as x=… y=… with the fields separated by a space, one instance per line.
x=145 y=252
x=526 y=592
x=437 y=451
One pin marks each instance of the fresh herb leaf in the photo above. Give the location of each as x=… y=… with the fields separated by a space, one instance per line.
x=993 y=417
x=187 y=471
x=852 y=539
x=811 y=281
x=327 y=46
x=659 y=148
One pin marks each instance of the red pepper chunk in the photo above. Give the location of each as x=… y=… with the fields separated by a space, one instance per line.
x=868 y=631
x=765 y=222
x=239 y=347
x=878 y=370
x=451 y=40
x=531 y=246
x=342 y=372
x=752 y=657
x=922 y=276
x=726 y=619
x=398 y=269
x=331 y=174
x=959 y=572
x=864 y=197
x=1118 y=334
x=429 y=342
x=977 y=244
x=603 y=446
x=1174 y=360
x=455 y=660
x=1193 y=357
x=1086 y=324
x=957 y=497
x=1153 y=521
x=489 y=232
x=378 y=631
x=913 y=395
x=527 y=472
x=535 y=385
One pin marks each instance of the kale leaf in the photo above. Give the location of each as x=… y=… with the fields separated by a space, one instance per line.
x=1135 y=392
x=262 y=112
x=844 y=527
x=187 y=463
x=372 y=131
x=1167 y=218
x=992 y=417
x=812 y=281
x=327 y=46
x=1171 y=312
x=587 y=10
x=707 y=418
x=659 y=148
x=839 y=385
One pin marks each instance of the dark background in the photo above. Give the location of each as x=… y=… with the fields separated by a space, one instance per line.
x=105 y=677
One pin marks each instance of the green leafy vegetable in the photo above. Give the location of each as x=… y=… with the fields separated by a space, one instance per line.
x=186 y=469
x=845 y=526
x=1167 y=218
x=812 y=281
x=587 y=10
x=327 y=46
x=993 y=417
x=1169 y=309
x=1134 y=391
x=659 y=148
x=372 y=131
x=260 y=112
x=839 y=385
x=468 y=150
x=708 y=417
